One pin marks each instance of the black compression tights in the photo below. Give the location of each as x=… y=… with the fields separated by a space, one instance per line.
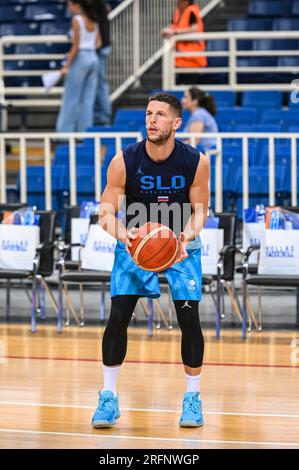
x=114 y=346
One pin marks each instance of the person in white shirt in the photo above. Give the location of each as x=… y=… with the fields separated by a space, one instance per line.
x=80 y=69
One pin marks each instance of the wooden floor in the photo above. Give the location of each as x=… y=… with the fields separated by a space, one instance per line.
x=48 y=390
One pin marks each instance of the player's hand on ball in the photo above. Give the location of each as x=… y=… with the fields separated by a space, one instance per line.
x=131 y=235
x=182 y=252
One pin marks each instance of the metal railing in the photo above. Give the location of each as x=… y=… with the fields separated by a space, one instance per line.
x=232 y=54
x=23 y=139
x=136 y=40
x=136 y=27
x=46 y=139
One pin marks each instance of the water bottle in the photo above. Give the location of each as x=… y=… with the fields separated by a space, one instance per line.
x=17 y=218
x=274 y=220
x=260 y=214
x=288 y=225
x=277 y=221
x=29 y=217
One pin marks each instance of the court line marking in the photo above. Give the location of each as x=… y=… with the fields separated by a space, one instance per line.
x=150 y=438
x=224 y=364
x=148 y=410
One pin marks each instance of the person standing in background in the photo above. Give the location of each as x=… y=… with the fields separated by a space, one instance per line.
x=80 y=69
x=187 y=19
x=102 y=109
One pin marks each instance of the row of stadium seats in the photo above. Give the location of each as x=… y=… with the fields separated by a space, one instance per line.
x=273 y=8
x=263 y=24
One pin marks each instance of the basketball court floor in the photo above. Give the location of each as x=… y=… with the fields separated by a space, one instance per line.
x=49 y=384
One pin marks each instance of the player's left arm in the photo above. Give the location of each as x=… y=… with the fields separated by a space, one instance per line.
x=199 y=195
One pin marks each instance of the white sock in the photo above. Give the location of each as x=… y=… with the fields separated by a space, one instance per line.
x=193 y=383
x=110 y=375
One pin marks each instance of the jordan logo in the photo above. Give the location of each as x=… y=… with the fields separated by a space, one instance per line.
x=186 y=305
x=140 y=172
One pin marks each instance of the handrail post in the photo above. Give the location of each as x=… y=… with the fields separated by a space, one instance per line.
x=73 y=181
x=232 y=61
x=48 y=183
x=23 y=170
x=218 y=177
x=2 y=171
x=293 y=171
x=136 y=37
x=271 y=172
x=245 y=173
x=98 y=168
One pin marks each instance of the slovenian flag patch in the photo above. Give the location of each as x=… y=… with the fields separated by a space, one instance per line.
x=163 y=198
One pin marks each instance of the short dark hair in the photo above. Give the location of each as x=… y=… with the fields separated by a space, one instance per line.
x=172 y=100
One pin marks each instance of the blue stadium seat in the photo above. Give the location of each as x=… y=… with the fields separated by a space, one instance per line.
x=292 y=128
x=286 y=24
x=17 y=29
x=85 y=180
x=61 y=27
x=274 y=8
x=233 y=152
x=270 y=99
x=132 y=117
x=288 y=61
x=259 y=142
x=224 y=98
x=11 y=13
x=110 y=142
x=282 y=117
x=36 y=186
x=249 y=24
x=235 y=25
x=217 y=45
x=39 y=12
x=84 y=155
x=257 y=128
x=295 y=8
x=275 y=44
x=236 y=115
x=256 y=62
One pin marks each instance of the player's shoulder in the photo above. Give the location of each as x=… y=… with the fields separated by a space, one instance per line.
x=187 y=149
x=134 y=148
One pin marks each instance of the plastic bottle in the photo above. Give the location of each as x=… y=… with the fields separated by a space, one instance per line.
x=260 y=214
x=17 y=218
x=29 y=217
x=277 y=221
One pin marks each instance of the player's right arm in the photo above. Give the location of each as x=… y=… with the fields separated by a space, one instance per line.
x=112 y=199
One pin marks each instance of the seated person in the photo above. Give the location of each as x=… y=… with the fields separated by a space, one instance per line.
x=203 y=109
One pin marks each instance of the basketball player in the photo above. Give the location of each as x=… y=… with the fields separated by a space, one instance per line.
x=158 y=167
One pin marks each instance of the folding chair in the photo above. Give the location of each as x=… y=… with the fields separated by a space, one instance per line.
x=42 y=266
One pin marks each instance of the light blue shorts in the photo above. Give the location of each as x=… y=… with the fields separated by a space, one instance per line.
x=184 y=278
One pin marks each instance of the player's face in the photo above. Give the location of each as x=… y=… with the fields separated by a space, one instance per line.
x=161 y=122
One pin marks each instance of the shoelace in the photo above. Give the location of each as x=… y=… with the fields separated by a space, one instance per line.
x=192 y=404
x=106 y=404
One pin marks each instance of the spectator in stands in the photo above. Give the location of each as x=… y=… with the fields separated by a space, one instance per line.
x=80 y=69
x=187 y=19
x=202 y=107
x=102 y=110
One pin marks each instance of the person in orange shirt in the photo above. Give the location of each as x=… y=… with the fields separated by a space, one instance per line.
x=187 y=19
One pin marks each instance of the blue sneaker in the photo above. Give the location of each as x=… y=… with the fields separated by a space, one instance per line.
x=107 y=411
x=192 y=412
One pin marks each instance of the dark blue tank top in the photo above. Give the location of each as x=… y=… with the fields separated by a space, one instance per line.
x=153 y=183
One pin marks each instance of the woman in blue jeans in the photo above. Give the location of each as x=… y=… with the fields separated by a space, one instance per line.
x=80 y=70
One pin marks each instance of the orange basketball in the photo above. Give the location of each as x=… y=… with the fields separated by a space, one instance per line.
x=155 y=247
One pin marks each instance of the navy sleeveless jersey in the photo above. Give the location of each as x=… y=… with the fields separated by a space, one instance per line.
x=153 y=183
